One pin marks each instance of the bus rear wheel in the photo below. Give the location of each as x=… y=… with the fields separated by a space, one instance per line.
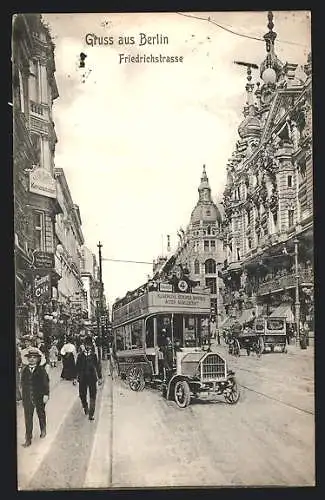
x=136 y=379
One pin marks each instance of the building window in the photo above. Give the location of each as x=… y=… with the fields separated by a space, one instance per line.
x=212 y=284
x=290 y=217
x=206 y=246
x=275 y=219
x=38 y=225
x=209 y=230
x=302 y=172
x=196 y=267
x=238 y=253
x=34 y=82
x=37 y=147
x=212 y=244
x=210 y=266
x=289 y=181
x=249 y=243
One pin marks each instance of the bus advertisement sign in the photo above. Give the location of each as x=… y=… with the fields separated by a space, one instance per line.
x=179 y=300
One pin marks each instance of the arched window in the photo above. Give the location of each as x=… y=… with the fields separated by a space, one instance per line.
x=210 y=266
x=196 y=267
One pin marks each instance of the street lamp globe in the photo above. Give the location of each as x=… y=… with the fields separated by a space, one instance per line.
x=269 y=75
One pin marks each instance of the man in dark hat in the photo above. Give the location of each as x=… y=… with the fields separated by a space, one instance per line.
x=35 y=392
x=28 y=342
x=88 y=374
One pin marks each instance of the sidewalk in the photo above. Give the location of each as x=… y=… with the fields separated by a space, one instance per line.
x=63 y=395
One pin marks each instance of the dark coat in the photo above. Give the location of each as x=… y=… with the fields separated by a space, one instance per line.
x=88 y=367
x=34 y=385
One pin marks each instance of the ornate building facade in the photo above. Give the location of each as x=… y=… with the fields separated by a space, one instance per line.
x=49 y=290
x=34 y=139
x=201 y=248
x=68 y=244
x=268 y=199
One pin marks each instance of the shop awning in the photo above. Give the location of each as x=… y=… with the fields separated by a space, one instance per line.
x=246 y=316
x=283 y=311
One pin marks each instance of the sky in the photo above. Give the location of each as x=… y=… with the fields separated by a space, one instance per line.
x=133 y=138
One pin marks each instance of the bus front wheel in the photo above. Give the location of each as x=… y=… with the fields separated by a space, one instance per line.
x=182 y=394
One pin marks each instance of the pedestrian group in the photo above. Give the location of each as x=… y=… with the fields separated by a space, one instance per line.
x=80 y=364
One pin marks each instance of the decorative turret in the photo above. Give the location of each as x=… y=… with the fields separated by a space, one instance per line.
x=271 y=68
x=204 y=187
x=250 y=126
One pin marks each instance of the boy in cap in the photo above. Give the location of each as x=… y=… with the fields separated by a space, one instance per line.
x=88 y=373
x=35 y=393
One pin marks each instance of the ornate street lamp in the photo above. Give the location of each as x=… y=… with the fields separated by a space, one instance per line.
x=297 y=300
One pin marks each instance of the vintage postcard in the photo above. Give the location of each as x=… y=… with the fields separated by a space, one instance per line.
x=163 y=220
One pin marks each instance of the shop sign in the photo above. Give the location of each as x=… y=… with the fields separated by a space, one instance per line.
x=44 y=260
x=41 y=182
x=166 y=287
x=43 y=287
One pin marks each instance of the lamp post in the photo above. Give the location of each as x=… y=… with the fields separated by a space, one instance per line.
x=297 y=300
x=100 y=301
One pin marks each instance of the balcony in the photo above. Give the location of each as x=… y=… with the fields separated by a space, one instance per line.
x=35 y=108
x=39 y=110
x=288 y=280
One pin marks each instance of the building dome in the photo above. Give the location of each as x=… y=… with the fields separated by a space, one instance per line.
x=250 y=126
x=206 y=212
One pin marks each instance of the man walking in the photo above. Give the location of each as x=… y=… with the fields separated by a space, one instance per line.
x=89 y=372
x=35 y=393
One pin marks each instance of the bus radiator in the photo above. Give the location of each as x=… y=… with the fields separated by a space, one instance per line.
x=213 y=367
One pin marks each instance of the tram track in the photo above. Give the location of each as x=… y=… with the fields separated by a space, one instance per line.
x=285 y=403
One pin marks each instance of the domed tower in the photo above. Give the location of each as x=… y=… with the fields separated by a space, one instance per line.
x=201 y=249
x=205 y=211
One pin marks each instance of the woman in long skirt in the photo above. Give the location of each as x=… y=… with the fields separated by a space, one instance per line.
x=69 y=354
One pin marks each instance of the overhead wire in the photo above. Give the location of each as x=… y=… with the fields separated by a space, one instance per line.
x=128 y=261
x=208 y=19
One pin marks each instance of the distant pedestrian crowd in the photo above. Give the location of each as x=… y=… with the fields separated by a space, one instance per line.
x=34 y=361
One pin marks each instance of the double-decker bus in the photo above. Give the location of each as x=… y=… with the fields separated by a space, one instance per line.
x=160 y=331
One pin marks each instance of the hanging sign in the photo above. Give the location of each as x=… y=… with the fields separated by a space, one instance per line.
x=44 y=260
x=41 y=182
x=42 y=287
